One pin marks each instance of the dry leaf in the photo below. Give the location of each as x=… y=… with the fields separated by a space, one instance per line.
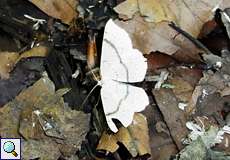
x=39 y=113
x=127 y=9
x=60 y=9
x=135 y=138
x=46 y=149
x=8 y=60
x=158 y=61
x=187 y=14
x=162 y=145
x=207 y=28
x=173 y=116
x=149 y=37
x=183 y=90
x=218 y=82
x=185 y=81
x=225 y=92
x=211 y=104
x=157 y=10
x=40 y=51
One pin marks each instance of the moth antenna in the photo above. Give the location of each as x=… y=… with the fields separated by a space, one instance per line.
x=86 y=98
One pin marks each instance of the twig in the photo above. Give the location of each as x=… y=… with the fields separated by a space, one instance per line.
x=190 y=37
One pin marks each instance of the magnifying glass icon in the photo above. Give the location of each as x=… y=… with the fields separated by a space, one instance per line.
x=9 y=147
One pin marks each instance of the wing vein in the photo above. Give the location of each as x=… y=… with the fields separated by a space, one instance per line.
x=127 y=78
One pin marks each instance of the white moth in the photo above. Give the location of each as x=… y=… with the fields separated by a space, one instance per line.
x=121 y=64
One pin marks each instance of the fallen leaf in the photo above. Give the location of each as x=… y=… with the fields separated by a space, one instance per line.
x=25 y=73
x=8 y=60
x=156 y=10
x=135 y=138
x=212 y=91
x=60 y=9
x=162 y=147
x=184 y=13
x=207 y=28
x=157 y=61
x=39 y=113
x=41 y=149
x=149 y=37
x=127 y=9
x=173 y=116
x=184 y=81
x=211 y=104
x=183 y=90
x=161 y=142
x=225 y=92
x=190 y=75
x=39 y=51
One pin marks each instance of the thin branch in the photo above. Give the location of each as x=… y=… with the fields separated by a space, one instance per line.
x=190 y=37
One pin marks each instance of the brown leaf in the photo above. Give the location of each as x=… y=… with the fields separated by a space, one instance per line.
x=40 y=51
x=225 y=92
x=156 y=10
x=157 y=61
x=162 y=147
x=207 y=28
x=184 y=81
x=215 y=82
x=60 y=9
x=135 y=138
x=182 y=90
x=211 y=104
x=149 y=37
x=39 y=113
x=188 y=15
x=161 y=143
x=7 y=62
x=191 y=75
x=9 y=59
x=127 y=9
x=173 y=116
x=46 y=149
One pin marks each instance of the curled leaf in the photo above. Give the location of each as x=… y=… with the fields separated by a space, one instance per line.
x=135 y=138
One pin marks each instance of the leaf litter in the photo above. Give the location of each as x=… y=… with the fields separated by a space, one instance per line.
x=40 y=115
x=50 y=63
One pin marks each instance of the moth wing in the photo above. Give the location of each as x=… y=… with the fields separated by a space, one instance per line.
x=119 y=60
x=120 y=101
